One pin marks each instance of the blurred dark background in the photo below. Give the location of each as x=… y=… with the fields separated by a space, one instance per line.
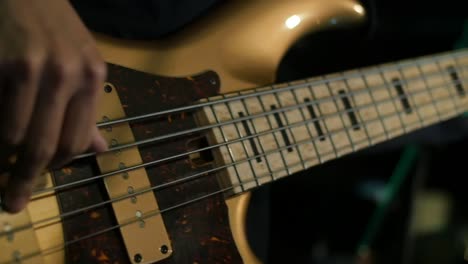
x=321 y=215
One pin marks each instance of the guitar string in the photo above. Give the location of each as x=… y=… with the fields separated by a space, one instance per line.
x=266 y=113
x=231 y=142
x=272 y=89
x=77 y=211
x=153 y=213
x=233 y=121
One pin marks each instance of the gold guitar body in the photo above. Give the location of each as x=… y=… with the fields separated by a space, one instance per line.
x=243 y=42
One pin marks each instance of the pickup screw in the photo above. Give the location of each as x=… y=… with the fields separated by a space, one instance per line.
x=138 y=258
x=114 y=142
x=108 y=88
x=164 y=249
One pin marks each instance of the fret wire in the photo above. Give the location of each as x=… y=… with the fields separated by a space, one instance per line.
x=460 y=68
x=456 y=57
x=267 y=162
x=301 y=110
x=227 y=146
x=357 y=111
x=260 y=142
x=242 y=142
x=410 y=95
x=393 y=101
x=330 y=90
x=460 y=80
x=426 y=84
x=274 y=135
x=463 y=71
x=371 y=94
x=289 y=127
x=449 y=86
x=324 y=120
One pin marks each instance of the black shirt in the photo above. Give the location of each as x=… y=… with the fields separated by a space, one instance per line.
x=140 y=19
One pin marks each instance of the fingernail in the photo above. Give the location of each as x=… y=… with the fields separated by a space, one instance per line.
x=101 y=144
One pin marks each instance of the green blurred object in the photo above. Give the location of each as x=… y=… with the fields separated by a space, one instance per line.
x=402 y=169
x=462 y=42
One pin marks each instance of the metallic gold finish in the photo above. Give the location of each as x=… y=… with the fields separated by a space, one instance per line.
x=49 y=234
x=243 y=41
x=237 y=216
x=145 y=233
x=15 y=244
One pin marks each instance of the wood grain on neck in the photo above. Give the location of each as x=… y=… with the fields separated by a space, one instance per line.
x=271 y=132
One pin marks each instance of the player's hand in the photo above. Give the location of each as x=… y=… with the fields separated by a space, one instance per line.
x=51 y=76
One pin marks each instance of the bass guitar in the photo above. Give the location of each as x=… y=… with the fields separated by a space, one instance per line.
x=195 y=122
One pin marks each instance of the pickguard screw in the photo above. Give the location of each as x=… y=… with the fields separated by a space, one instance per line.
x=114 y=142
x=138 y=258
x=213 y=81
x=164 y=249
x=108 y=88
x=142 y=224
x=134 y=200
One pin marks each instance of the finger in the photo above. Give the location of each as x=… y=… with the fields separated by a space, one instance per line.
x=6 y=164
x=42 y=136
x=19 y=96
x=5 y=150
x=79 y=127
x=3 y=180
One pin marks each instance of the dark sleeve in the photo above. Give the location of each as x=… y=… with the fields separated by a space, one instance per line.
x=140 y=19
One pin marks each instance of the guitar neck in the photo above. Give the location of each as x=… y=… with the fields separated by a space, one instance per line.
x=271 y=132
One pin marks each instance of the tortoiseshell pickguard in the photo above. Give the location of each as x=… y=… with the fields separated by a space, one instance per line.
x=199 y=231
